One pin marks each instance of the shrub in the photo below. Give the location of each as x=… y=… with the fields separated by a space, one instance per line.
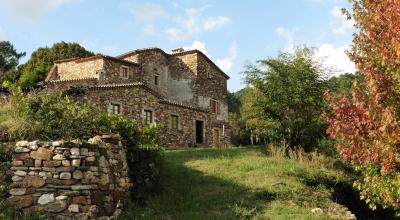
x=55 y=115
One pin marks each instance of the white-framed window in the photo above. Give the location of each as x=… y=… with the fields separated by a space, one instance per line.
x=124 y=72
x=174 y=122
x=148 y=116
x=114 y=108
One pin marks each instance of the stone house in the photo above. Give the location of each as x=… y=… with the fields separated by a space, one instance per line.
x=183 y=91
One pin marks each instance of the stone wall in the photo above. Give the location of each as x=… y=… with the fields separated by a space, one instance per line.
x=76 y=69
x=70 y=179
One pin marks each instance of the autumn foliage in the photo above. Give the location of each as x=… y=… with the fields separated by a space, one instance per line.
x=366 y=125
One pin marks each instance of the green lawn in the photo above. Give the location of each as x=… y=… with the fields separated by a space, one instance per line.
x=242 y=183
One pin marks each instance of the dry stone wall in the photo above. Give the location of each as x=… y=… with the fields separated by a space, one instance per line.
x=71 y=179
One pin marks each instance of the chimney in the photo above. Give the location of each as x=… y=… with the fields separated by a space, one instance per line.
x=177 y=50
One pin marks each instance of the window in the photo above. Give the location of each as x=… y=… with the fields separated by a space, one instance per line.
x=124 y=72
x=174 y=121
x=209 y=75
x=114 y=109
x=214 y=106
x=156 y=79
x=148 y=117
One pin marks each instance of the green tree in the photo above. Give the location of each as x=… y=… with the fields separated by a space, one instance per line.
x=343 y=83
x=9 y=59
x=42 y=59
x=286 y=99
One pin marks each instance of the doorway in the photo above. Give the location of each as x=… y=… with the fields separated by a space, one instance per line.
x=199 y=132
x=216 y=138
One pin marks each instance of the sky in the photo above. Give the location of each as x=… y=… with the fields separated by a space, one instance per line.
x=232 y=33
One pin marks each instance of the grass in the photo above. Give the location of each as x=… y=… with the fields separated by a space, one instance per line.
x=244 y=183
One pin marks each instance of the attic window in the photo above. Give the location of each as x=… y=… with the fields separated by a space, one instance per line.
x=124 y=72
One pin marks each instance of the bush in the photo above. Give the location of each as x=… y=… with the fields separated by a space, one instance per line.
x=51 y=116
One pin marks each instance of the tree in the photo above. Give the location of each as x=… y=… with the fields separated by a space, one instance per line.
x=9 y=59
x=366 y=125
x=42 y=59
x=287 y=97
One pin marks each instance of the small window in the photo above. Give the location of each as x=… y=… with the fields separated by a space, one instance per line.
x=148 y=117
x=213 y=105
x=114 y=109
x=156 y=79
x=124 y=71
x=174 y=121
x=209 y=75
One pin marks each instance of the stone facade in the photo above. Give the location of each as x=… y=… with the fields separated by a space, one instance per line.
x=70 y=180
x=184 y=91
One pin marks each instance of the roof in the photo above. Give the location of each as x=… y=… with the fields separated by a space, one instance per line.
x=98 y=56
x=174 y=54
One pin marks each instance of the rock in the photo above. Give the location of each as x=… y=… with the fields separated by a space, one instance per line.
x=46 y=199
x=76 y=162
x=84 y=152
x=73 y=208
x=17 y=163
x=32 y=173
x=18 y=191
x=41 y=154
x=57 y=143
x=63 y=197
x=42 y=174
x=65 y=175
x=104 y=180
x=117 y=213
x=38 y=163
x=66 y=163
x=21 y=201
x=16 y=178
x=20 y=173
x=49 y=169
x=81 y=200
x=33 y=181
x=33 y=145
x=56 y=207
x=22 y=144
x=75 y=151
x=90 y=159
x=65 y=169
x=317 y=211
x=21 y=150
x=103 y=162
x=81 y=187
x=77 y=174
x=22 y=156
x=59 y=157
x=52 y=163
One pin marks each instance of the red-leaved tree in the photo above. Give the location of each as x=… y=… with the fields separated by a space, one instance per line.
x=366 y=125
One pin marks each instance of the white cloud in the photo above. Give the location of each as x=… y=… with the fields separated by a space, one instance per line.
x=193 y=22
x=336 y=58
x=340 y=24
x=226 y=63
x=198 y=46
x=148 y=12
x=149 y=30
x=288 y=35
x=30 y=10
x=215 y=22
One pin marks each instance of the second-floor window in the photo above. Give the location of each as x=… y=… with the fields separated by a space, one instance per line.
x=148 y=116
x=114 y=109
x=214 y=106
x=124 y=72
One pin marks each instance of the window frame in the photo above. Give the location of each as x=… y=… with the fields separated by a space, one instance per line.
x=173 y=122
x=148 y=116
x=123 y=72
x=114 y=108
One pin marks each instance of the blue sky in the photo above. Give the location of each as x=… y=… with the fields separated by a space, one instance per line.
x=231 y=33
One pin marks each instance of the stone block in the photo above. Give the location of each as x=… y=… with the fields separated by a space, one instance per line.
x=73 y=208
x=65 y=175
x=41 y=154
x=46 y=199
x=18 y=191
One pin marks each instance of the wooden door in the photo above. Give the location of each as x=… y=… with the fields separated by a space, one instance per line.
x=216 y=138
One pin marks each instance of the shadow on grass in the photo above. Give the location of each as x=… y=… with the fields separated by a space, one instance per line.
x=191 y=194
x=343 y=193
